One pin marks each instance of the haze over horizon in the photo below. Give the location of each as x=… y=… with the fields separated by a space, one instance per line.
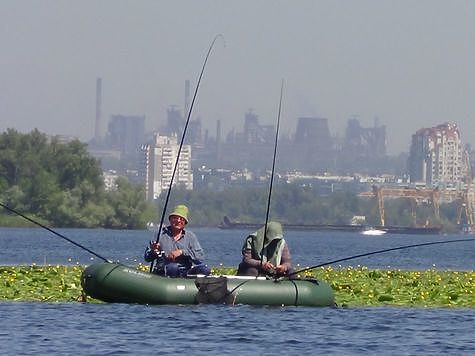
x=411 y=64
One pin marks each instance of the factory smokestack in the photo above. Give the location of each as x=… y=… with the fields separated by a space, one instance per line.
x=97 y=128
x=187 y=98
x=218 y=131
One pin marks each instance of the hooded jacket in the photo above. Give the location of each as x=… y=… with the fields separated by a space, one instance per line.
x=268 y=246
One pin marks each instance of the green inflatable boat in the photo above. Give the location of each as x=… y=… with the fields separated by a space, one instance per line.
x=117 y=283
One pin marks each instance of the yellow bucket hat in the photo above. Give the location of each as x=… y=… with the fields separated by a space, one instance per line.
x=180 y=210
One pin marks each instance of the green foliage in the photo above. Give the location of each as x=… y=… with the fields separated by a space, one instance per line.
x=290 y=203
x=41 y=283
x=429 y=288
x=296 y=204
x=130 y=209
x=60 y=184
x=354 y=287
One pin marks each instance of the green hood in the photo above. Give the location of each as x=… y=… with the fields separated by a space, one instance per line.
x=257 y=243
x=274 y=231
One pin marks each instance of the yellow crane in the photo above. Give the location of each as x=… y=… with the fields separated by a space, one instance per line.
x=416 y=195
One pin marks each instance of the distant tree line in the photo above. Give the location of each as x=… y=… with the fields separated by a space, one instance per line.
x=61 y=185
x=296 y=204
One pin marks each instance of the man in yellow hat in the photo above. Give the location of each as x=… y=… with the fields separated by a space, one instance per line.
x=178 y=252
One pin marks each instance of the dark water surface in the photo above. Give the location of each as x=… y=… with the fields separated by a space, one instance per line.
x=121 y=329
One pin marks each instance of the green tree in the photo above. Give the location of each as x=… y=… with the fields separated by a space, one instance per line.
x=131 y=211
x=62 y=185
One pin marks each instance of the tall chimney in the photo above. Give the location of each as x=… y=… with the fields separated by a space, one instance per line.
x=187 y=98
x=97 y=128
x=218 y=131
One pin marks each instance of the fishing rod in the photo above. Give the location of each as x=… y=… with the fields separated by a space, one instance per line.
x=182 y=141
x=272 y=171
x=270 y=187
x=54 y=232
x=377 y=252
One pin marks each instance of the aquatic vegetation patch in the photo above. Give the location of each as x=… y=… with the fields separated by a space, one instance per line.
x=353 y=286
x=41 y=283
x=361 y=286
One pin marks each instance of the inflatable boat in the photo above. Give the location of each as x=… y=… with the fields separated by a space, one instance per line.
x=117 y=283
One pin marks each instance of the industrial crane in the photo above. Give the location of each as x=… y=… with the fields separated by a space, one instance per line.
x=414 y=194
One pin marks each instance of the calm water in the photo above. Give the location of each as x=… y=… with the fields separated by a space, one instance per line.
x=111 y=329
x=86 y=329
x=26 y=246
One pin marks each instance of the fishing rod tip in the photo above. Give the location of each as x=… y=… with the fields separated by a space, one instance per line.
x=222 y=37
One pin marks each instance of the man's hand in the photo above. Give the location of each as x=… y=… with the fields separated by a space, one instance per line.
x=267 y=266
x=281 y=269
x=155 y=246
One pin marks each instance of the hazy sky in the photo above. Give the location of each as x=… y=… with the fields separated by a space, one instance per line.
x=410 y=63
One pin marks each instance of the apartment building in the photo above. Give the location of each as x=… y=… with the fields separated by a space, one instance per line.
x=160 y=160
x=437 y=157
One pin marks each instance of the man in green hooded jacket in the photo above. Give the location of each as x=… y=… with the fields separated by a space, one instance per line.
x=265 y=252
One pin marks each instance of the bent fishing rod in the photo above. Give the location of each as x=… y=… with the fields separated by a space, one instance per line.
x=272 y=171
x=54 y=232
x=377 y=252
x=270 y=187
x=183 y=140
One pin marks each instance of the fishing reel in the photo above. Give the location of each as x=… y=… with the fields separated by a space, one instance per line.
x=159 y=262
x=159 y=253
x=274 y=276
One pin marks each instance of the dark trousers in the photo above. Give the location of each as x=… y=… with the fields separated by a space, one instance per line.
x=246 y=270
x=173 y=269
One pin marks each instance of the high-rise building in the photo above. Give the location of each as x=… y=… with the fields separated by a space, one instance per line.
x=161 y=157
x=436 y=157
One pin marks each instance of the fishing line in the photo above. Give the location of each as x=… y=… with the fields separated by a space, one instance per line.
x=54 y=232
x=379 y=251
x=182 y=141
x=270 y=185
x=272 y=172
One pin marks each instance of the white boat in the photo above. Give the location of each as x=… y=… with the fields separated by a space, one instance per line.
x=373 y=232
